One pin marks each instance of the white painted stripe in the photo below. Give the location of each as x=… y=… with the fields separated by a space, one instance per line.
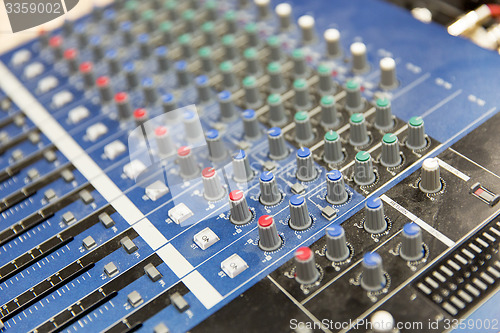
x=202 y=289
x=174 y=260
x=448 y=242
x=104 y=185
x=453 y=170
x=152 y=236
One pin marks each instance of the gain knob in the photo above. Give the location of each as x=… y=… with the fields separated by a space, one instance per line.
x=240 y=213
x=269 y=193
x=412 y=246
x=336 y=193
x=375 y=222
x=372 y=278
x=336 y=245
x=212 y=186
x=269 y=240
x=305 y=266
x=299 y=214
x=430 y=180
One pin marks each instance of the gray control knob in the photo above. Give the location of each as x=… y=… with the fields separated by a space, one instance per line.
x=149 y=90
x=105 y=90
x=164 y=142
x=276 y=82
x=372 y=278
x=162 y=60
x=336 y=245
x=269 y=192
x=332 y=39
x=269 y=240
x=252 y=95
x=430 y=181
x=216 y=148
x=284 y=13
x=325 y=83
x=353 y=100
x=303 y=128
x=203 y=89
x=363 y=169
x=358 y=53
x=277 y=146
x=253 y=38
x=250 y=124
x=252 y=61
x=186 y=43
x=123 y=105
x=188 y=166
x=329 y=117
x=207 y=62
x=412 y=246
x=274 y=46
x=375 y=222
x=388 y=73
x=358 y=134
x=383 y=322
x=277 y=116
x=306 y=24
x=192 y=126
x=182 y=74
x=169 y=106
x=390 y=156
x=299 y=214
x=241 y=167
x=305 y=266
x=262 y=8
x=226 y=105
x=300 y=68
x=336 y=193
x=333 y=148
x=212 y=186
x=240 y=213
x=416 y=133
x=229 y=81
x=301 y=98
x=305 y=165
x=383 y=114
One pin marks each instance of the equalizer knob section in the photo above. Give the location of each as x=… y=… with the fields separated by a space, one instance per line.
x=269 y=240
x=306 y=271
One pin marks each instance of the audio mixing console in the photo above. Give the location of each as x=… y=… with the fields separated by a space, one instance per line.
x=220 y=166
